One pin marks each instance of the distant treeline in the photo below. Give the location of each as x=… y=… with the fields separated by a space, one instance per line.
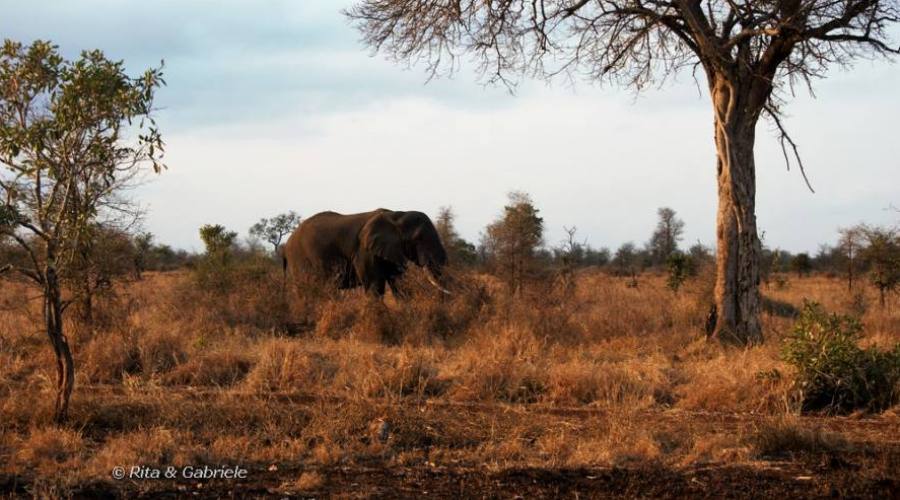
x=513 y=247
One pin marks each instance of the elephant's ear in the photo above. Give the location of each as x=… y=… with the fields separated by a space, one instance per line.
x=382 y=237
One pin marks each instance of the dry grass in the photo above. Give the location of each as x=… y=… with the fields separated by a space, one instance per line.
x=602 y=375
x=785 y=436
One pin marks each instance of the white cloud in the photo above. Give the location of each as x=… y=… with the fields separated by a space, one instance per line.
x=597 y=160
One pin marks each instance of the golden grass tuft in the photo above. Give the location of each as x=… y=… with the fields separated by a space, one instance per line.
x=308 y=481
x=155 y=447
x=785 y=436
x=752 y=380
x=287 y=365
x=48 y=449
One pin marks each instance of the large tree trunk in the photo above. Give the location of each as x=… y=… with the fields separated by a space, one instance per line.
x=737 y=297
x=65 y=367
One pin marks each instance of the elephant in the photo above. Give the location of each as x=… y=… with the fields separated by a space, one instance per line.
x=370 y=249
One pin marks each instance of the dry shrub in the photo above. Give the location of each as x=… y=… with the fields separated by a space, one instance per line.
x=786 y=436
x=376 y=324
x=221 y=368
x=612 y=309
x=545 y=316
x=507 y=366
x=282 y=450
x=308 y=481
x=161 y=350
x=155 y=447
x=356 y=316
x=22 y=410
x=287 y=365
x=332 y=434
x=514 y=446
x=23 y=358
x=701 y=290
x=110 y=311
x=716 y=448
x=408 y=372
x=106 y=358
x=421 y=316
x=425 y=316
x=346 y=366
x=398 y=429
x=336 y=318
x=46 y=450
x=626 y=352
x=249 y=290
x=98 y=415
x=736 y=381
x=257 y=297
x=639 y=381
x=615 y=439
x=231 y=449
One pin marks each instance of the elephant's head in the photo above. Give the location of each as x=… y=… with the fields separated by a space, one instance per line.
x=380 y=239
x=395 y=239
x=421 y=243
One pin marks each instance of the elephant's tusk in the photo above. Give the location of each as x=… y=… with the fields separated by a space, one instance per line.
x=435 y=284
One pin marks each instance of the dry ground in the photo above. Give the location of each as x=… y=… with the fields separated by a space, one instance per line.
x=588 y=389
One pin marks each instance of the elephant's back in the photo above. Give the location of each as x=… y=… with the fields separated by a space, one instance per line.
x=324 y=238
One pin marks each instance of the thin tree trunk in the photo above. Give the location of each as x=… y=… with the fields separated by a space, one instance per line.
x=737 y=295
x=65 y=367
x=850 y=271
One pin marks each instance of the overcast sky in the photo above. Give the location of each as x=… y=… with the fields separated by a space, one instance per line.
x=275 y=105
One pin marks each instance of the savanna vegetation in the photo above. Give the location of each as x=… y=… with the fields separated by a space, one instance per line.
x=552 y=368
x=545 y=366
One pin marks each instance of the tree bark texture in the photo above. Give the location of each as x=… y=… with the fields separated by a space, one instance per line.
x=737 y=296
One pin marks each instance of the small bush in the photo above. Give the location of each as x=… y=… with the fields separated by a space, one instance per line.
x=833 y=372
x=218 y=368
x=679 y=267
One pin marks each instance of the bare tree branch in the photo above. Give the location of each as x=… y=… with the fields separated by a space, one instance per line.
x=785 y=139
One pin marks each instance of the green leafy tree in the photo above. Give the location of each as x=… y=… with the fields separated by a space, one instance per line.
x=512 y=240
x=73 y=134
x=700 y=255
x=680 y=267
x=274 y=230
x=626 y=261
x=801 y=264
x=596 y=256
x=219 y=242
x=753 y=53
x=882 y=254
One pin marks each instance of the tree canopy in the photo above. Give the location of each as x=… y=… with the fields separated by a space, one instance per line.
x=73 y=135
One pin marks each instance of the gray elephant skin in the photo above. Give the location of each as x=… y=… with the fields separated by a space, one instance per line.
x=370 y=249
